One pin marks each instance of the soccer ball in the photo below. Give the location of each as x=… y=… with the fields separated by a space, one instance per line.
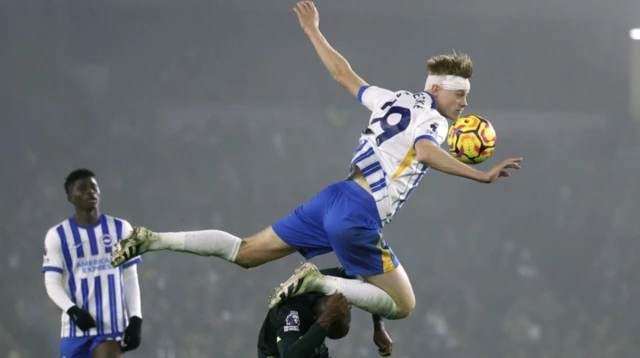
x=471 y=139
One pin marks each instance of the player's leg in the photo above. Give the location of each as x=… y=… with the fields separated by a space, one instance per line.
x=263 y=247
x=353 y=227
x=387 y=294
x=396 y=284
x=107 y=349
x=302 y=231
x=356 y=237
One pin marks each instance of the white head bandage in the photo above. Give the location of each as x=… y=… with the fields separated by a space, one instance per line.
x=448 y=82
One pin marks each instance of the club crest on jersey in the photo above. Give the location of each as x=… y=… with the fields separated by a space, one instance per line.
x=106 y=240
x=292 y=322
x=434 y=126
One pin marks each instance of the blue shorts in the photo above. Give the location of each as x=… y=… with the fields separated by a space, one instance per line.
x=82 y=347
x=342 y=218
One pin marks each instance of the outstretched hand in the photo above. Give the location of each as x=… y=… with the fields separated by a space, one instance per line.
x=500 y=171
x=308 y=16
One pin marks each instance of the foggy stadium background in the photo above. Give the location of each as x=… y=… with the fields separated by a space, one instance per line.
x=202 y=114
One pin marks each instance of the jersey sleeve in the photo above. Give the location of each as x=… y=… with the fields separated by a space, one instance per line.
x=126 y=230
x=55 y=290
x=132 y=291
x=373 y=97
x=288 y=322
x=433 y=128
x=53 y=259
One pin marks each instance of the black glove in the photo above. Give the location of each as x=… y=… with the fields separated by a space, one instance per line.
x=132 y=335
x=81 y=318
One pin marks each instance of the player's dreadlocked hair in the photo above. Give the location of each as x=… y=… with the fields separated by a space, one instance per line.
x=456 y=64
x=75 y=175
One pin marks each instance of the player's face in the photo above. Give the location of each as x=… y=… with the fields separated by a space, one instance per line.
x=85 y=194
x=450 y=103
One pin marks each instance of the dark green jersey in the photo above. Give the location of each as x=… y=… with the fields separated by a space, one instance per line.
x=291 y=330
x=291 y=327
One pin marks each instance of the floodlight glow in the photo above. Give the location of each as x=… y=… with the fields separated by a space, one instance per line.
x=635 y=34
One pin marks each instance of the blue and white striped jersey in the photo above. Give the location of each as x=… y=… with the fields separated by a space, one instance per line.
x=386 y=154
x=83 y=256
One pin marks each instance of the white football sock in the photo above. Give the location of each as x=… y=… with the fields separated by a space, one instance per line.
x=204 y=243
x=360 y=294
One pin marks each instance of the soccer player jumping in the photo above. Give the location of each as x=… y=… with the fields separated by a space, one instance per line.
x=401 y=141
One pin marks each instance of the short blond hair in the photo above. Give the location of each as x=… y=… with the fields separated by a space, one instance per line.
x=456 y=64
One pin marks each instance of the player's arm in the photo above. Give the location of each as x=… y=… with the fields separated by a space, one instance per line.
x=132 y=292
x=291 y=342
x=431 y=134
x=130 y=280
x=304 y=345
x=381 y=338
x=133 y=332
x=378 y=323
x=53 y=267
x=332 y=59
x=430 y=154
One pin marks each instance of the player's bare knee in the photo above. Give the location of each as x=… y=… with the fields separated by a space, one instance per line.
x=247 y=263
x=261 y=248
x=247 y=256
x=405 y=306
x=405 y=309
x=240 y=261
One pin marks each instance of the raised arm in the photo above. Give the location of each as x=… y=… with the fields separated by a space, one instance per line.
x=428 y=138
x=436 y=158
x=332 y=59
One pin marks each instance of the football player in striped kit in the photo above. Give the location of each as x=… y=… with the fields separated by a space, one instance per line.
x=401 y=140
x=102 y=314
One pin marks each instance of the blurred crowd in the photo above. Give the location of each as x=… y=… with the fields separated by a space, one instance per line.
x=542 y=265
x=194 y=117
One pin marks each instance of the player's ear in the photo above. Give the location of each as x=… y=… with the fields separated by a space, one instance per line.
x=435 y=90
